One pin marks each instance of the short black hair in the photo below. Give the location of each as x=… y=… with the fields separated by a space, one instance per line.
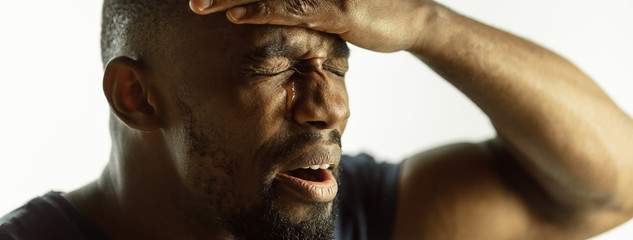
x=128 y=25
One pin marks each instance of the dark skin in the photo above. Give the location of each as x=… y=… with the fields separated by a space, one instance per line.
x=242 y=108
x=553 y=172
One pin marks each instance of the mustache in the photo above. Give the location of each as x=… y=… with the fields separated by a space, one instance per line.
x=313 y=137
x=301 y=141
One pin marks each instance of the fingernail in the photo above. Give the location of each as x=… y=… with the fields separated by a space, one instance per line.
x=203 y=4
x=237 y=13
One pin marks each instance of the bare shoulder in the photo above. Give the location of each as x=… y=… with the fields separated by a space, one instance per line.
x=478 y=191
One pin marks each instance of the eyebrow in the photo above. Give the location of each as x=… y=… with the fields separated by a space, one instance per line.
x=272 y=50
x=339 y=50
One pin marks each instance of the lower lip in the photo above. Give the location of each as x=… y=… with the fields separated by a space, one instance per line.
x=323 y=191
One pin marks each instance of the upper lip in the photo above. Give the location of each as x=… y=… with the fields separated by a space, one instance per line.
x=313 y=155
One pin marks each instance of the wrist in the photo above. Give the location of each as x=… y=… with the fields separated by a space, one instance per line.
x=431 y=19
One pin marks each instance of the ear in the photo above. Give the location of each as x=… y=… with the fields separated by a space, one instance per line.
x=128 y=94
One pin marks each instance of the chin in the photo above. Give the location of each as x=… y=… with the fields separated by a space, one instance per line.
x=289 y=217
x=294 y=218
x=297 y=210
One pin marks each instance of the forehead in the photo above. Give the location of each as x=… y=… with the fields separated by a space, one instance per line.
x=196 y=50
x=214 y=33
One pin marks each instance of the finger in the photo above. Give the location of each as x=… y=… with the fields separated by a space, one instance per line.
x=203 y=7
x=287 y=13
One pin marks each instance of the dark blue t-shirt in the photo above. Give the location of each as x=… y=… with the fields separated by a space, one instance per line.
x=367 y=197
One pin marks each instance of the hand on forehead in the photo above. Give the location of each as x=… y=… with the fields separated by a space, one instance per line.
x=305 y=13
x=369 y=24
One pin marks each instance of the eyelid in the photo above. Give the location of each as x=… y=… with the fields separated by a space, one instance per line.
x=263 y=70
x=333 y=70
x=272 y=74
x=336 y=71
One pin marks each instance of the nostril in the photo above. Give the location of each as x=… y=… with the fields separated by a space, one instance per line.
x=317 y=124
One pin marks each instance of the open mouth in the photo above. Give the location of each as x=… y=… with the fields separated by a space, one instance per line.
x=313 y=183
x=314 y=173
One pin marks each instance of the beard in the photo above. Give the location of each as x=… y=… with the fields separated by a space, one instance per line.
x=272 y=221
x=269 y=218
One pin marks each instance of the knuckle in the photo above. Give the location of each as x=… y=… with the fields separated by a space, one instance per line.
x=301 y=7
x=263 y=8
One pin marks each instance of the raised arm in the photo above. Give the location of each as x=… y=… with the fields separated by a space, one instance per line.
x=565 y=134
x=560 y=168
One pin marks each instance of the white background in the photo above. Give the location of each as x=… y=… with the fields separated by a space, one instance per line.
x=53 y=116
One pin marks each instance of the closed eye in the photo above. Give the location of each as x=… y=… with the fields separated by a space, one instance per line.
x=259 y=72
x=270 y=69
x=334 y=70
x=264 y=73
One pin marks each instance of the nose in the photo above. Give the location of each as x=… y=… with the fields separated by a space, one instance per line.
x=320 y=102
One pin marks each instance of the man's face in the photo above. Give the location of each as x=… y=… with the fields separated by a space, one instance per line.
x=246 y=109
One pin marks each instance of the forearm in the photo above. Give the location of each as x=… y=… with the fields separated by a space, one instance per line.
x=564 y=130
x=561 y=126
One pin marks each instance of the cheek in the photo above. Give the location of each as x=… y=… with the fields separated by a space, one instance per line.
x=343 y=99
x=216 y=171
x=226 y=146
x=341 y=90
x=261 y=111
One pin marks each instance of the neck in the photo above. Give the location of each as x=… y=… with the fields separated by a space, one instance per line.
x=134 y=197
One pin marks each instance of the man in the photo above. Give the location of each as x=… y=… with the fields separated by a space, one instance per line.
x=214 y=122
